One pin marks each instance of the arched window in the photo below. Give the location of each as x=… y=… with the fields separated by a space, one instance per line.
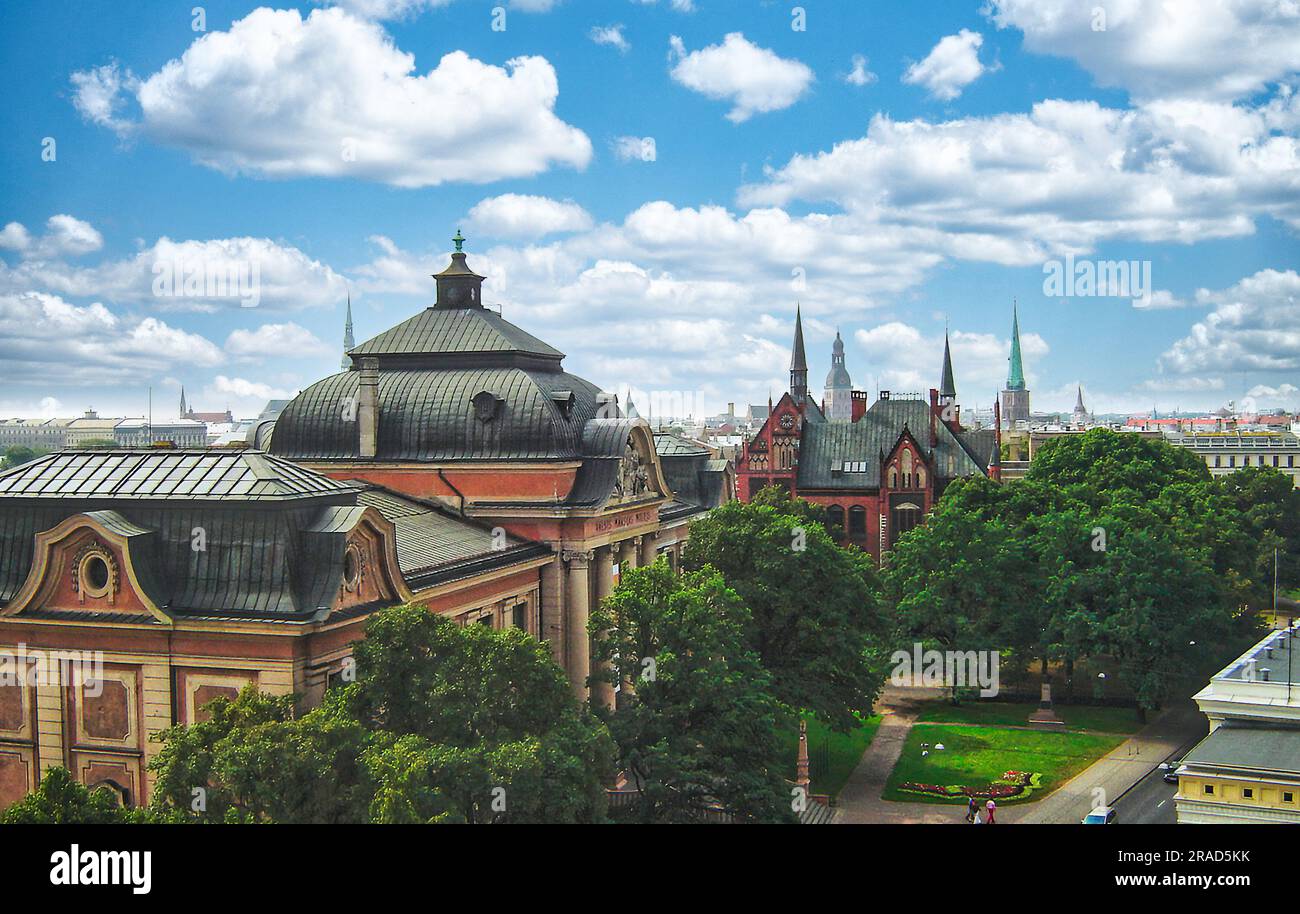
x=857 y=521
x=893 y=477
x=835 y=517
x=920 y=477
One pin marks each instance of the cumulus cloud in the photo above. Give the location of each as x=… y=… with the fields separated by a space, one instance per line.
x=611 y=35
x=64 y=236
x=46 y=339
x=274 y=341
x=908 y=360
x=859 y=75
x=332 y=96
x=97 y=95
x=1014 y=188
x=952 y=65
x=755 y=80
x=635 y=148
x=1209 y=49
x=527 y=216
x=1254 y=325
x=188 y=275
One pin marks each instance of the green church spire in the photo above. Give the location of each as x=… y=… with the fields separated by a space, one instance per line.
x=1016 y=376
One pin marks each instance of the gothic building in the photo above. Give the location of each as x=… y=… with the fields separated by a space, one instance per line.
x=1015 y=398
x=879 y=470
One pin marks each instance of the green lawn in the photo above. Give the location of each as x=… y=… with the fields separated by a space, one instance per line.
x=831 y=766
x=1005 y=713
x=976 y=756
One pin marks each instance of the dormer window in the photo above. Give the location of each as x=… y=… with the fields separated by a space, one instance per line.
x=486 y=405
x=564 y=400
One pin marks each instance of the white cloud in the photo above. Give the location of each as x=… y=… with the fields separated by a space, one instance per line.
x=859 y=75
x=278 y=277
x=635 y=148
x=1182 y=385
x=611 y=35
x=331 y=95
x=951 y=65
x=1016 y=188
x=905 y=359
x=15 y=237
x=755 y=80
x=1212 y=49
x=1158 y=300
x=45 y=340
x=97 y=95
x=1254 y=326
x=527 y=216
x=275 y=341
x=240 y=395
x=681 y=6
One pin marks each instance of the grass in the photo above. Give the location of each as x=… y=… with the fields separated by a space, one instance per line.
x=842 y=753
x=976 y=756
x=1016 y=714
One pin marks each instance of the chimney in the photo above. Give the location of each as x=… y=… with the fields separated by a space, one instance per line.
x=858 y=400
x=731 y=409
x=368 y=408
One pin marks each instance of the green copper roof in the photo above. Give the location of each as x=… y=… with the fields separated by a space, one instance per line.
x=1016 y=376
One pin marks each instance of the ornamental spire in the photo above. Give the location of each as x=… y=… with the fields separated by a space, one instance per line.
x=798 y=361
x=947 y=387
x=1016 y=376
x=348 y=341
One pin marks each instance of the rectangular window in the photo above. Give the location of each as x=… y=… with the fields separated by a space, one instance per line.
x=519 y=616
x=1288 y=798
x=1247 y=793
x=1209 y=790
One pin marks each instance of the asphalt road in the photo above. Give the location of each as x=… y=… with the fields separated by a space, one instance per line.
x=1149 y=802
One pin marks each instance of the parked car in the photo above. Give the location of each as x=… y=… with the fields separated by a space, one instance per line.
x=1102 y=815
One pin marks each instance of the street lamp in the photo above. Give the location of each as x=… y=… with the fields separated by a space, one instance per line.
x=1101 y=686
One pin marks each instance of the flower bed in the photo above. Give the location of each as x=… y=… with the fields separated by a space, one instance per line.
x=1017 y=784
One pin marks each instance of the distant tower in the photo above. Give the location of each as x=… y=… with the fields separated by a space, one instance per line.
x=1015 y=399
x=348 y=341
x=839 y=387
x=947 y=386
x=184 y=408
x=798 y=362
x=1080 y=415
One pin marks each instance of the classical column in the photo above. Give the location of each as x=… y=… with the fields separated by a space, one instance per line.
x=648 y=543
x=578 y=644
x=552 y=609
x=602 y=691
x=631 y=553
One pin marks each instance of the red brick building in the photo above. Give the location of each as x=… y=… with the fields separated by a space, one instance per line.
x=880 y=471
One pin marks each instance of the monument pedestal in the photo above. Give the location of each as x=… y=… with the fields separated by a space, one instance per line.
x=1045 y=716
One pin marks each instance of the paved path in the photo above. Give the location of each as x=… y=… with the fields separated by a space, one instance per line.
x=860 y=800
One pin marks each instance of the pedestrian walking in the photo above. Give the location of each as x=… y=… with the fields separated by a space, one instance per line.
x=972 y=807
x=992 y=808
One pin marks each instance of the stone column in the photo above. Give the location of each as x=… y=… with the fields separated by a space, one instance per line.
x=631 y=553
x=602 y=692
x=648 y=543
x=577 y=643
x=551 y=616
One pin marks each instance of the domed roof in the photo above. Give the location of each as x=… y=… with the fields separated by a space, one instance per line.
x=436 y=415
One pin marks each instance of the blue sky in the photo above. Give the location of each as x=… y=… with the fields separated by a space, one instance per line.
x=891 y=166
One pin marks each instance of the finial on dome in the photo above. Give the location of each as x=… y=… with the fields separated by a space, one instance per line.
x=459 y=241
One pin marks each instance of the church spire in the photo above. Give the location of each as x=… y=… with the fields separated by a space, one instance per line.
x=947 y=387
x=184 y=408
x=798 y=361
x=348 y=341
x=1016 y=376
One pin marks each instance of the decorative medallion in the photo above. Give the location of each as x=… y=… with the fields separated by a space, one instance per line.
x=94 y=572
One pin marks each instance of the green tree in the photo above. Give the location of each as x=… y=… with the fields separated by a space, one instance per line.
x=701 y=729
x=61 y=800
x=17 y=455
x=481 y=724
x=814 y=615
